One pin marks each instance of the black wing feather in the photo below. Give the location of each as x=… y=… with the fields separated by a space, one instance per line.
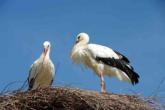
x=31 y=82
x=122 y=65
x=51 y=82
x=124 y=58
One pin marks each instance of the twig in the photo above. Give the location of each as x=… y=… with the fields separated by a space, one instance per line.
x=131 y=90
x=57 y=67
x=9 y=84
x=154 y=93
x=5 y=91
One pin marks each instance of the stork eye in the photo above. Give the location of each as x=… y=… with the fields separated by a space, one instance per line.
x=78 y=37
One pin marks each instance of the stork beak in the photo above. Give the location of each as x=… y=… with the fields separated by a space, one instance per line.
x=45 y=51
x=77 y=42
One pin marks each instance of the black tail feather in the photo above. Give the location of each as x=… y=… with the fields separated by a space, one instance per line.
x=123 y=66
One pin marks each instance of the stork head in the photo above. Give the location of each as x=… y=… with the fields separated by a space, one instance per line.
x=82 y=38
x=46 y=45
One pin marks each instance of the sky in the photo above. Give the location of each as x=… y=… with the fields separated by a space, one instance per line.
x=135 y=28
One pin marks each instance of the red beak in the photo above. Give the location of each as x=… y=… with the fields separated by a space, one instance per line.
x=45 y=51
x=76 y=42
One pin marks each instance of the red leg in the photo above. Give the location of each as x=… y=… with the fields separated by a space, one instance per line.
x=102 y=83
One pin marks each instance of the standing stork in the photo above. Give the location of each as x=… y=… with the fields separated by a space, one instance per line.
x=42 y=71
x=102 y=60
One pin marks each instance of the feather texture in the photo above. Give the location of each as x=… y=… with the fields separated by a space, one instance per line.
x=41 y=72
x=103 y=60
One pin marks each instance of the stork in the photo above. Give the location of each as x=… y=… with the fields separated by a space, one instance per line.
x=102 y=60
x=42 y=71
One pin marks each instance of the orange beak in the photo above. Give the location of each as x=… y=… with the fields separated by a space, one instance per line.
x=45 y=51
x=77 y=42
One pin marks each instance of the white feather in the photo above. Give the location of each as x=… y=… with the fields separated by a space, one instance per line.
x=101 y=51
x=42 y=71
x=84 y=53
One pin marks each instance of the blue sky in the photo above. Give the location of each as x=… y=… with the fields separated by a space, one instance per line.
x=135 y=28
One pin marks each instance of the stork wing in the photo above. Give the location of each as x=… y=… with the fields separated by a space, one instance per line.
x=122 y=65
x=52 y=71
x=124 y=58
x=32 y=74
x=101 y=51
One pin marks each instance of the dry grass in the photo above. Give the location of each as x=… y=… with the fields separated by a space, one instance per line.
x=62 y=98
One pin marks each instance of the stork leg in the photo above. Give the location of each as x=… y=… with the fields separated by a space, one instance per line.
x=102 y=83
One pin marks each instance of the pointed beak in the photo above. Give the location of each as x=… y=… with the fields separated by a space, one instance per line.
x=45 y=51
x=77 y=42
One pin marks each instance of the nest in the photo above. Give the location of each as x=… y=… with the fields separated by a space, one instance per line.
x=62 y=98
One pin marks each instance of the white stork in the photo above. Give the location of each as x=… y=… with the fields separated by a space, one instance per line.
x=42 y=71
x=102 y=60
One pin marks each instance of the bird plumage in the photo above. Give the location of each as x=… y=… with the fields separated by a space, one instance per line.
x=122 y=65
x=41 y=72
x=102 y=59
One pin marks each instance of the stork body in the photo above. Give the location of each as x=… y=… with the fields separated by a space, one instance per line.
x=42 y=71
x=102 y=60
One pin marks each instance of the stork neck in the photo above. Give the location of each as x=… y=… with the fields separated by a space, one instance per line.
x=47 y=54
x=76 y=48
x=80 y=44
x=43 y=56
